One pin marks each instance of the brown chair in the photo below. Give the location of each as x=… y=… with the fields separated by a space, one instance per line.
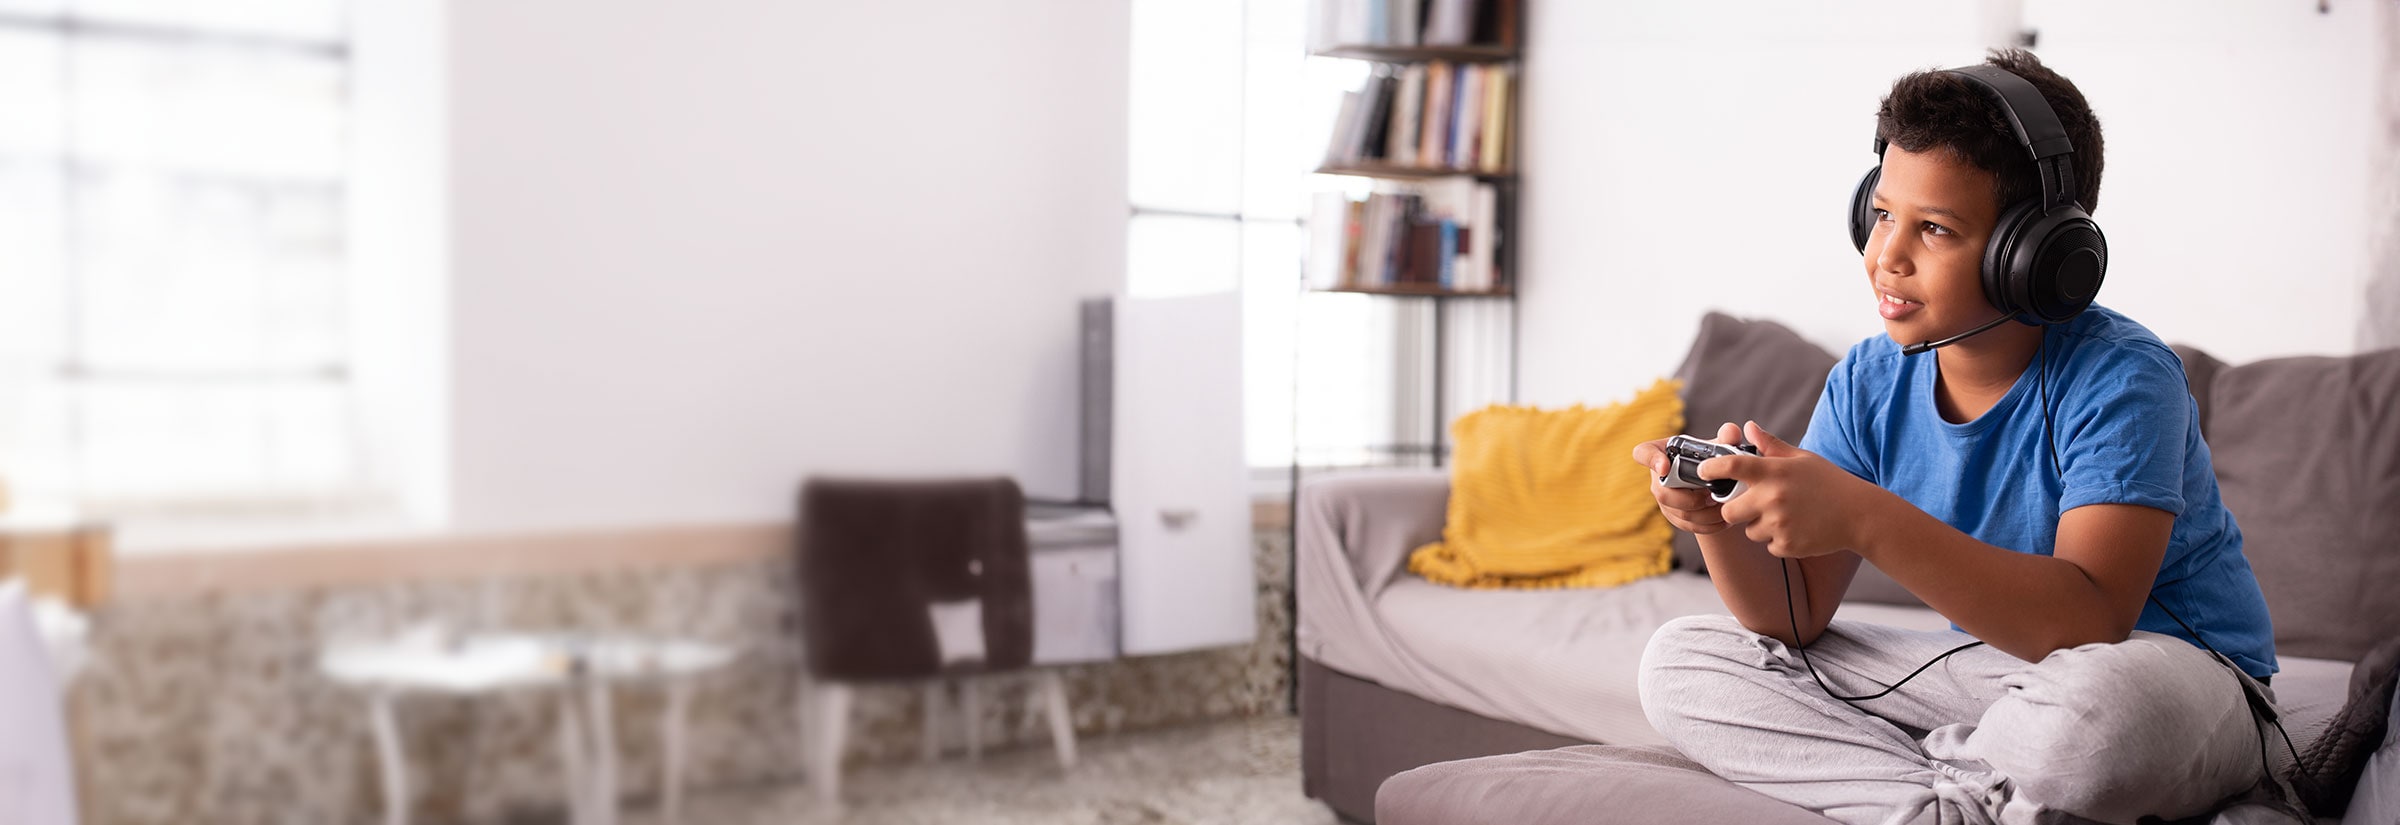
x=917 y=581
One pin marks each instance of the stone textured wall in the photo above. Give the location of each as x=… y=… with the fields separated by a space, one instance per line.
x=211 y=709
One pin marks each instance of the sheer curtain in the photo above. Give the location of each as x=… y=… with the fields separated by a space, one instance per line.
x=2380 y=328
x=173 y=255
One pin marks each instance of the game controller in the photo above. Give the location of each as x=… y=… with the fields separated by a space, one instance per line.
x=1684 y=454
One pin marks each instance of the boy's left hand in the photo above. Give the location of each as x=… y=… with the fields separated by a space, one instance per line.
x=1797 y=504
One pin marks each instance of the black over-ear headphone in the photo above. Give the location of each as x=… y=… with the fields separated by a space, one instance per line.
x=2046 y=257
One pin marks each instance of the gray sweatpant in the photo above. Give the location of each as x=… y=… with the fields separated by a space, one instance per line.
x=2152 y=725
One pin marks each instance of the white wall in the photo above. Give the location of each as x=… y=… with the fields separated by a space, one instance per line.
x=1686 y=157
x=702 y=249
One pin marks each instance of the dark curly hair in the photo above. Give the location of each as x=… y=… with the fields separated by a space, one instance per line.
x=1930 y=109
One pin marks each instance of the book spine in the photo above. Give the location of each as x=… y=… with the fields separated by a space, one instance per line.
x=1449 y=254
x=1494 y=139
x=1337 y=147
x=1480 y=270
x=1463 y=119
x=1436 y=131
x=1406 y=126
x=1327 y=235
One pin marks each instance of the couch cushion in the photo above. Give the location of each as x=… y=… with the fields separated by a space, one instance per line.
x=1576 y=785
x=2199 y=374
x=2307 y=453
x=1741 y=370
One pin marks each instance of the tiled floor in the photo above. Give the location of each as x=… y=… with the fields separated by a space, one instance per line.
x=1236 y=772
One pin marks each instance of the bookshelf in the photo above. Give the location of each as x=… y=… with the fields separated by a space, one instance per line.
x=1432 y=131
x=1424 y=155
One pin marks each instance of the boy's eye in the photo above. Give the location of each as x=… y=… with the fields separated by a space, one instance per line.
x=1937 y=229
x=1882 y=216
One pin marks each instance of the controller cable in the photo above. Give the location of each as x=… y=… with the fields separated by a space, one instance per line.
x=2260 y=709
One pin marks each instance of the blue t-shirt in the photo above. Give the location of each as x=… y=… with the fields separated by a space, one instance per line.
x=2127 y=432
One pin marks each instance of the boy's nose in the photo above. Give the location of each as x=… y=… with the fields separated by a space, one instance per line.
x=1891 y=253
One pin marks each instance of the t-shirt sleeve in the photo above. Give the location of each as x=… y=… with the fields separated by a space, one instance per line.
x=1831 y=429
x=2121 y=437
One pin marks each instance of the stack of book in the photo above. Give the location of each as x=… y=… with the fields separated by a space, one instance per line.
x=1341 y=23
x=1441 y=234
x=1436 y=115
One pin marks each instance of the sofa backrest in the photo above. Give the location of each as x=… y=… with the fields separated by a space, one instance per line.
x=2307 y=454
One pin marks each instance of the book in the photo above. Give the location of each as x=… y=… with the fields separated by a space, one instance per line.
x=1464 y=117
x=1406 y=126
x=1337 y=146
x=1482 y=271
x=1408 y=21
x=1435 y=133
x=1354 y=220
x=1328 y=239
x=1449 y=22
x=1378 y=120
x=1492 y=146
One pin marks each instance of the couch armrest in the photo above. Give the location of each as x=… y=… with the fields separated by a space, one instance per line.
x=1370 y=520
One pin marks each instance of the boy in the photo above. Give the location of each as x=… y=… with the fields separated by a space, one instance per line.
x=2043 y=487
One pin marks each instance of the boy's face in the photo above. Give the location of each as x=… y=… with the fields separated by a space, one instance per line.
x=1933 y=213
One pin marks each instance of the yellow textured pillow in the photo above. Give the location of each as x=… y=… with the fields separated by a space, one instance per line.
x=1550 y=498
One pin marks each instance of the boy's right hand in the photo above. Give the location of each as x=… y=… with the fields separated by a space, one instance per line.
x=1689 y=510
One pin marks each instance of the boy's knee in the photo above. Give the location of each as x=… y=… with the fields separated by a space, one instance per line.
x=2119 y=731
x=1687 y=661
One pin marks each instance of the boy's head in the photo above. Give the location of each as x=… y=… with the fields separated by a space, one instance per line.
x=1952 y=166
x=1936 y=110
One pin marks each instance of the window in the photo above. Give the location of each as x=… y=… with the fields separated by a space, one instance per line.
x=1229 y=115
x=173 y=205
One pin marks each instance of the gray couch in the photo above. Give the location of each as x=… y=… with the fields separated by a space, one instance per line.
x=1402 y=677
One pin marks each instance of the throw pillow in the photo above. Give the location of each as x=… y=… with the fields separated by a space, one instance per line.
x=1550 y=498
x=1740 y=371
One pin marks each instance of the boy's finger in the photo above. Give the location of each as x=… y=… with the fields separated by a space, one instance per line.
x=1768 y=443
x=1742 y=467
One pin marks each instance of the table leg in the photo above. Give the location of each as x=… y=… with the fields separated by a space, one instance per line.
x=570 y=755
x=1062 y=723
x=932 y=731
x=389 y=758
x=679 y=695
x=604 y=752
x=970 y=702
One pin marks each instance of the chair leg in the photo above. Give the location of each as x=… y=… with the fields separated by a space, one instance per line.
x=933 y=719
x=970 y=700
x=1062 y=723
x=831 y=718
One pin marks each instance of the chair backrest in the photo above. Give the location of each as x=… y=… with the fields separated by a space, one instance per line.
x=878 y=556
x=37 y=784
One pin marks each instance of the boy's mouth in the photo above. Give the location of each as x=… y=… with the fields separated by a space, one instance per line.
x=1893 y=307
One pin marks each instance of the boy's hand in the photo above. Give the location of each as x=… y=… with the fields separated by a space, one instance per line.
x=1689 y=510
x=1798 y=504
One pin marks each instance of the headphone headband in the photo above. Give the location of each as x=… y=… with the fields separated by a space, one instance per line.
x=2029 y=114
x=2037 y=127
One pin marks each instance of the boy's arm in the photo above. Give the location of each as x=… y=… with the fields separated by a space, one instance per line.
x=1751 y=581
x=2090 y=590
x=1747 y=577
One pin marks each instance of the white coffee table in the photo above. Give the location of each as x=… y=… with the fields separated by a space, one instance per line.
x=578 y=667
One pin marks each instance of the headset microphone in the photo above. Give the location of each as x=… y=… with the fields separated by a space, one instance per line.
x=1922 y=347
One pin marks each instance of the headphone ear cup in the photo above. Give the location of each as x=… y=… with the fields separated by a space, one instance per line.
x=1862 y=209
x=2045 y=265
x=2006 y=279
x=2068 y=260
